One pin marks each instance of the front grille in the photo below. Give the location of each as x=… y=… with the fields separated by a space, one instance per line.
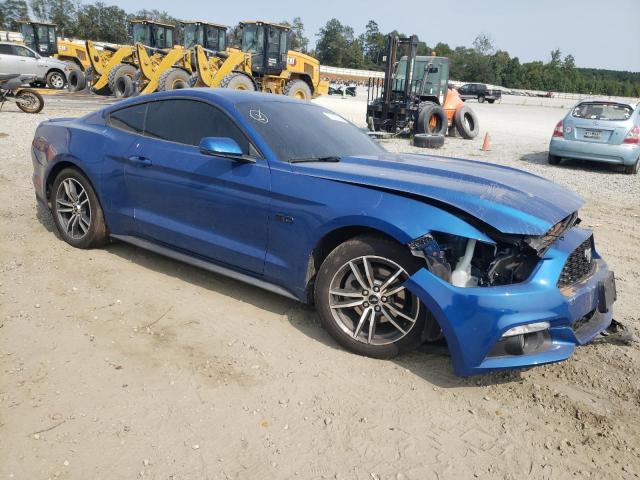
x=579 y=264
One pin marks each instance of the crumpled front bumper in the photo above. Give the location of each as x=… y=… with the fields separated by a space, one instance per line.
x=473 y=320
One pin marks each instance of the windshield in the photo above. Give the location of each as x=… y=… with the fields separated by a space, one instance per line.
x=192 y=36
x=252 y=39
x=304 y=131
x=602 y=111
x=141 y=34
x=418 y=73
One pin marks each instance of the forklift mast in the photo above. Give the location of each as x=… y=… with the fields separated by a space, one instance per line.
x=40 y=37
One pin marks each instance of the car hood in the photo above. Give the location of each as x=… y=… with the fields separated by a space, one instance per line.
x=510 y=200
x=53 y=63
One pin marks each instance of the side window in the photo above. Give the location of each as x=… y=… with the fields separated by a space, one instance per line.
x=5 y=50
x=129 y=119
x=189 y=121
x=22 y=51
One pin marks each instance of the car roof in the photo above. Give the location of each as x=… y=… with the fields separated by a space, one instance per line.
x=222 y=96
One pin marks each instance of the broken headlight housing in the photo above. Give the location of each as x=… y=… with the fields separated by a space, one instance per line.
x=465 y=262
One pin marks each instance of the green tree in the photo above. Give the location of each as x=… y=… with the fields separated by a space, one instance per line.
x=103 y=23
x=337 y=46
x=61 y=12
x=11 y=11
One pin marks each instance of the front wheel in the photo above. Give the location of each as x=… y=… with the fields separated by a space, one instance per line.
x=362 y=301
x=480 y=98
x=29 y=101
x=55 y=80
x=76 y=210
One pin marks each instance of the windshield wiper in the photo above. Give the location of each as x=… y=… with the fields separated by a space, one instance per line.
x=315 y=159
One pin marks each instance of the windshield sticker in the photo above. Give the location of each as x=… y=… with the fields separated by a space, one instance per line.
x=258 y=116
x=334 y=117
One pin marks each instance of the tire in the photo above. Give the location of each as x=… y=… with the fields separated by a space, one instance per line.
x=491 y=102
x=480 y=98
x=173 y=79
x=632 y=169
x=553 y=159
x=30 y=101
x=428 y=140
x=56 y=80
x=297 y=89
x=466 y=123
x=384 y=257
x=432 y=119
x=123 y=87
x=76 y=81
x=238 y=81
x=79 y=235
x=117 y=71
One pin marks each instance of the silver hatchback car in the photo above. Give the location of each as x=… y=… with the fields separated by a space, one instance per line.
x=599 y=131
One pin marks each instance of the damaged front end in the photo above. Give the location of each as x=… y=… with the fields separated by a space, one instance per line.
x=503 y=304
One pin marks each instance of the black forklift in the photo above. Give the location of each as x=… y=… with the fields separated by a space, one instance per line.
x=412 y=97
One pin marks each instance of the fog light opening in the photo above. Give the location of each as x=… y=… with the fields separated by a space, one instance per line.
x=524 y=329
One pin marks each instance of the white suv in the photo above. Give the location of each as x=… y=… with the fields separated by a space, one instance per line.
x=16 y=58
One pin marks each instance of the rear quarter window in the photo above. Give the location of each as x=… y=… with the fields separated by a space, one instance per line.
x=129 y=119
x=6 y=50
x=602 y=111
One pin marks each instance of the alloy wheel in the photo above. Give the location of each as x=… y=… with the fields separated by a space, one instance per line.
x=73 y=208
x=369 y=302
x=57 y=80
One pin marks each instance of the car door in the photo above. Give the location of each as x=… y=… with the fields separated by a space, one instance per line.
x=212 y=206
x=8 y=61
x=26 y=61
x=465 y=92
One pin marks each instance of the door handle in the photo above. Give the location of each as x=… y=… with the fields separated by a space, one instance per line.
x=140 y=161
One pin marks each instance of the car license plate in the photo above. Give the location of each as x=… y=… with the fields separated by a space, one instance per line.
x=607 y=293
x=592 y=133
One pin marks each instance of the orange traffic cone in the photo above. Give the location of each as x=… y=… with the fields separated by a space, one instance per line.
x=485 y=144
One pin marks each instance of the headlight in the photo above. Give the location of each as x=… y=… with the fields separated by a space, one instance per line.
x=466 y=262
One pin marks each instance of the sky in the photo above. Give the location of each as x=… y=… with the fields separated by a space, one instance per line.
x=599 y=34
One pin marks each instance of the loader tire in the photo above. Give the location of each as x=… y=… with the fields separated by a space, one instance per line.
x=238 y=81
x=297 y=89
x=432 y=119
x=123 y=87
x=466 y=122
x=173 y=79
x=117 y=71
x=428 y=140
x=76 y=81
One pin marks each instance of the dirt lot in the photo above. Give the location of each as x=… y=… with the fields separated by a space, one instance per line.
x=119 y=363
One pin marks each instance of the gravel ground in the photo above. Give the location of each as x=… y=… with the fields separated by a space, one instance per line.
x=118 y=363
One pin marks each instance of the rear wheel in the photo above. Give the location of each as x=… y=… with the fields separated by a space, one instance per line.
x=173 y=79
x=76 y=210
x=297 y=89
x=632 y=169
x=491 y=101
x=55 y=80
x=238 y=81
x=29 y=101
x=361 y=299
x=553 y=159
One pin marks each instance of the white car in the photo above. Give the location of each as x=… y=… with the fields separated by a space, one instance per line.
x=16 y=58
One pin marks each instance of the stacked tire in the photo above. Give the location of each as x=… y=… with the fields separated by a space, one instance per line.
x=120 y=80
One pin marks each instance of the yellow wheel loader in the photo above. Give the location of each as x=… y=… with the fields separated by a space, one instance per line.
x=173 y=69
x=263 y=63
x=114 y=69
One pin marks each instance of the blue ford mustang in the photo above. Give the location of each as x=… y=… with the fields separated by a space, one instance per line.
x=394 y=250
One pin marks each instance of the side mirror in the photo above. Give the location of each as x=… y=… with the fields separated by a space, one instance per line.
x=223 y=147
